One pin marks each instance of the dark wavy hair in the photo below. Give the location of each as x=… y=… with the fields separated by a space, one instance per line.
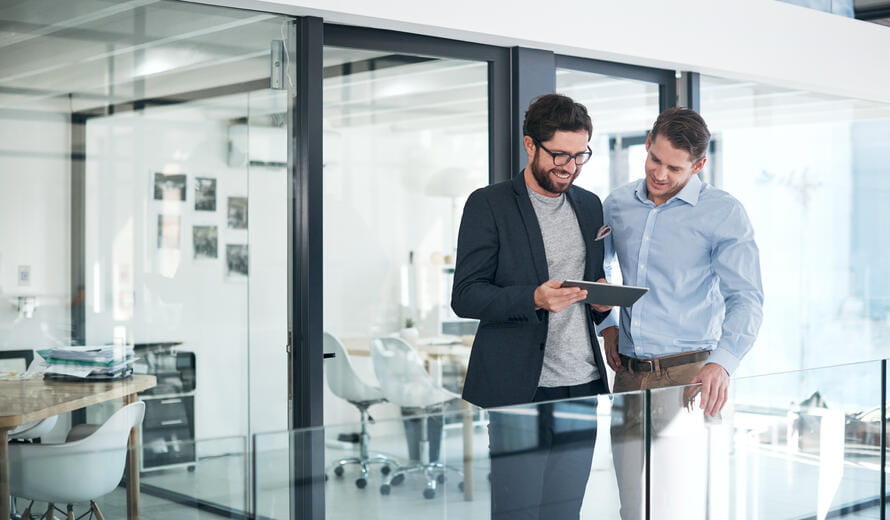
x=552 y=112
x=685 y=129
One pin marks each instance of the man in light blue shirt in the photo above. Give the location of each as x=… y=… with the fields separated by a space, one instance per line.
x=693 y=246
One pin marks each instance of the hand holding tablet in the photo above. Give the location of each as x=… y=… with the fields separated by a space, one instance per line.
x=608 y=294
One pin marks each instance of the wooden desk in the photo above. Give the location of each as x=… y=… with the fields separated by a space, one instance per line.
x=35 y=399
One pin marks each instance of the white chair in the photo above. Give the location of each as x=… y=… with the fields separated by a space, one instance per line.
x=406 y=383
x=74 y=472
x=34 y=430
x=346 y=384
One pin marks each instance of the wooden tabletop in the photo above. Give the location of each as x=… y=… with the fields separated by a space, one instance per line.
x=34 y=399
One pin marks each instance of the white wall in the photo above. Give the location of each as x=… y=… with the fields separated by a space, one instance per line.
x=34 y=225
x=763 y=40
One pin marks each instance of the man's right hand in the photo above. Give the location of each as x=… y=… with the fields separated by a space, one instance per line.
x=610 y=344
x=552 y=296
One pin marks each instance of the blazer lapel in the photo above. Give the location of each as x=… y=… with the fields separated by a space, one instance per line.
x=532 y=228
x=586 y=218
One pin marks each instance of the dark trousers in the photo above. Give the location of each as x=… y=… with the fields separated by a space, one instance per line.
x=541 y=454
x=413 y=432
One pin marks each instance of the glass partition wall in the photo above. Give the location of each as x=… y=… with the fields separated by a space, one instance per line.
x=623 y=110
x=144 y=176
x=810 y=170
x=406 y=140
x=811 y=449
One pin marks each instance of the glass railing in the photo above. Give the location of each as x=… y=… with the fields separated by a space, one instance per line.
x=806 y=444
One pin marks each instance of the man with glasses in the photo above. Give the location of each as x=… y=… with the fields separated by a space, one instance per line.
x=693 y=246
x=536 y=340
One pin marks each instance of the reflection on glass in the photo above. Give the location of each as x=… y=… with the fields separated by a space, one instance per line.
x=622 y=110
x=143 y=201
x=805 y=449
x=810 y=170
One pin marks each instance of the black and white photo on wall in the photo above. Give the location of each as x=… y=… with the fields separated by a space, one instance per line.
x=237 y=213
x=236 y=260
x=205 y=240
x=205 y=194
x=168 y=231
x=169 y=187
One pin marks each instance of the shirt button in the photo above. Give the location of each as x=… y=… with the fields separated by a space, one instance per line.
x=643 y=266
x=636 y=323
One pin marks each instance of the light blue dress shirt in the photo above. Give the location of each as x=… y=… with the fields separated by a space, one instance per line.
x=696 y=254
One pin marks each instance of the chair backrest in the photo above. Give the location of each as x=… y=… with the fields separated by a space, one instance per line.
x=34 y=430
x=76 y=471
x=402 y=377
x=343 y=380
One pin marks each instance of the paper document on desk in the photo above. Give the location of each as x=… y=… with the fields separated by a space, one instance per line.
x=70 y=370
x=88 y=355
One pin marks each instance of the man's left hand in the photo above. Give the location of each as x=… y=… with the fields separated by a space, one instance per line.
x=714 y=388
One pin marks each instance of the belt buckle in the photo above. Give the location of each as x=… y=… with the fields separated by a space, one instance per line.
x=650 y=362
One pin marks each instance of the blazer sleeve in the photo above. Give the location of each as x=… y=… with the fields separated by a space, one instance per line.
x=475 y=293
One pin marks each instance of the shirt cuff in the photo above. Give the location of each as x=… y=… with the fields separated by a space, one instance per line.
x=725 y=359
x=610 y=321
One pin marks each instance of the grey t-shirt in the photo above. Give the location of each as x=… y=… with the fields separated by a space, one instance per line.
x=568 y=355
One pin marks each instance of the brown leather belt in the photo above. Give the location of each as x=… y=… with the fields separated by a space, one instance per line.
x=659 y=363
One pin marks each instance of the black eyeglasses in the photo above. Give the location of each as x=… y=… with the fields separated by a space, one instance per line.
x=562 y=159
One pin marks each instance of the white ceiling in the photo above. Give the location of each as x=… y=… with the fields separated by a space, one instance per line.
x=81 y=54
x=101 y=51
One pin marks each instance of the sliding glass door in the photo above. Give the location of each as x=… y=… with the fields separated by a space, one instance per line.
x=145 y=203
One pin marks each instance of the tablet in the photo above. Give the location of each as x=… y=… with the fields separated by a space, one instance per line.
x=608 y=294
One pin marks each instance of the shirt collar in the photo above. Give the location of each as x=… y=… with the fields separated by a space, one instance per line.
x=689 y=194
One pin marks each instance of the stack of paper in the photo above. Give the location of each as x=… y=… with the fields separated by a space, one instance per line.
x=88 y=363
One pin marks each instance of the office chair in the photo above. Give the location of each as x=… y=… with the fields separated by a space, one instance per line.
x=74 y=472
x=19 y=361
x=406 y=383
x=346 y=384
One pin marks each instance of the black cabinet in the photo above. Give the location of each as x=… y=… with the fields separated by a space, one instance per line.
x=168 y=429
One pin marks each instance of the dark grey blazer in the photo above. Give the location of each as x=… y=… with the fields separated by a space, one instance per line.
x=500 y=262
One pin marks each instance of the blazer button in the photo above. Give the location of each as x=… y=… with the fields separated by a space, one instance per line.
x=542 y=346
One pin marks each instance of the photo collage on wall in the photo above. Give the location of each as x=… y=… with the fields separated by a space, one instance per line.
x=205 y=236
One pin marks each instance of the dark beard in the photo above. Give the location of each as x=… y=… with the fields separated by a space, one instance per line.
x=544 y=180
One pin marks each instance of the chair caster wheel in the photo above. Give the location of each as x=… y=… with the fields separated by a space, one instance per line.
x=361 y=483
x=398 y=479
x=460 y=486
x=385 y=470
x=338 y=471
x=440 y=478
x=429 y=493
x=384 y=489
